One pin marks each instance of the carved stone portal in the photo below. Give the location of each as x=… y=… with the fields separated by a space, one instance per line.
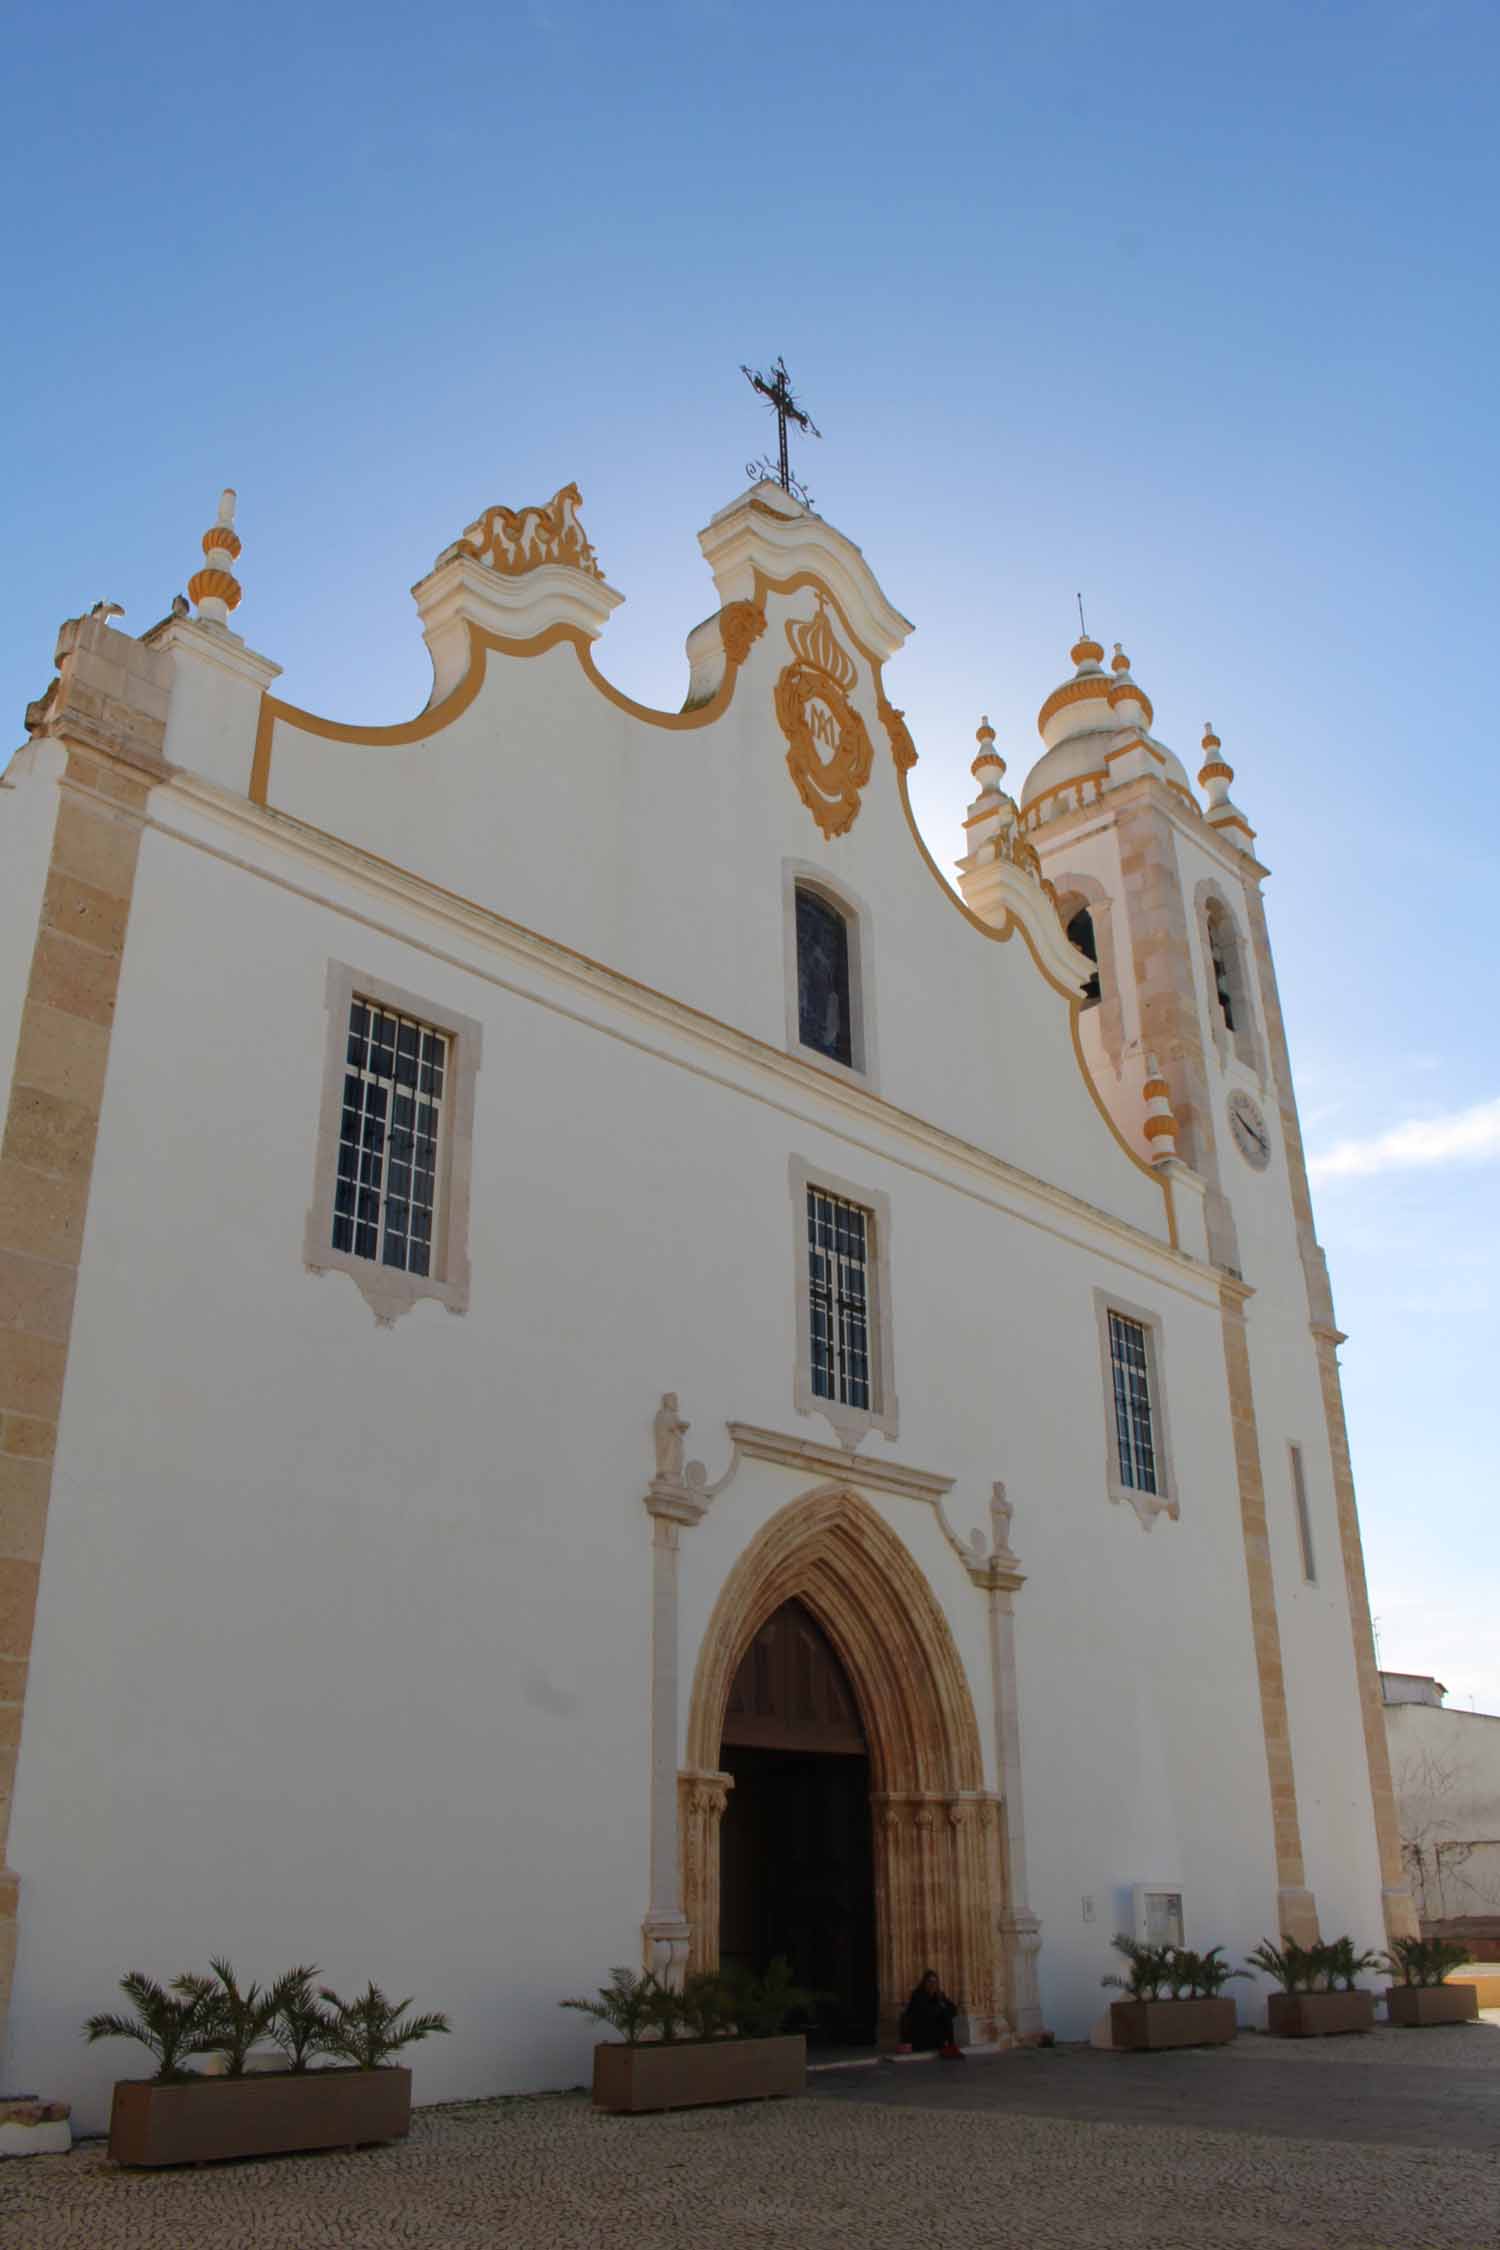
x=939 y=1881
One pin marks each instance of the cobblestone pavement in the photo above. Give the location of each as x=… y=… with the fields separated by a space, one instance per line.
x=1437 y=2089
x=936 y=2160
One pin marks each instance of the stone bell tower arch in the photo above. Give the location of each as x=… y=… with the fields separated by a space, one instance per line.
x=940 y=1885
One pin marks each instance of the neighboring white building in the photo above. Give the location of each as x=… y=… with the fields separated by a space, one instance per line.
x=1445 y=1769
x=450 y=1099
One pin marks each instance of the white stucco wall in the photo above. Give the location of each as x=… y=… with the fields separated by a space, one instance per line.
x=661 y=853
x=343 y=1644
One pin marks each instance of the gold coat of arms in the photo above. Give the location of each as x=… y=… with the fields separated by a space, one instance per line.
x=829 y=753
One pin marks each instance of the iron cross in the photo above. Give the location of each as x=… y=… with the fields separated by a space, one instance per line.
x=778 y=392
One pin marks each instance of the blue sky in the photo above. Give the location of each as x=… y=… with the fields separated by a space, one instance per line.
x=1192 y=309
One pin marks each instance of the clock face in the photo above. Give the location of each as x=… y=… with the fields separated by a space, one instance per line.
x=1252 y=1135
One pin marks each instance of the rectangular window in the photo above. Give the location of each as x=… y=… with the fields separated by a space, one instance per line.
x=1130 y=1375
x=1304 y=1519
x=838 y=1272
x=386 y=1190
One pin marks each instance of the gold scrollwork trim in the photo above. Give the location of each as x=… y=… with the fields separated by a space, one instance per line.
x=739 y=638
x=903 y=749
x=813 y=691
x=740 y=627
x=515 y=540
x=482 y=643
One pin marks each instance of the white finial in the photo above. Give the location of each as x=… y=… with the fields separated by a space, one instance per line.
x=988 y=768
x=1216 y=773
x=215 y=588
x=1221 y=812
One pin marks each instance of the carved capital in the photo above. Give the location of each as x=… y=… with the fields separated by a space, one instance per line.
x=679 y=1503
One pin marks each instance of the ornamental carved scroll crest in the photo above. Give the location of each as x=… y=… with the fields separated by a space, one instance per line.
x=817 y=717
x=515 y=540
x=740 y=627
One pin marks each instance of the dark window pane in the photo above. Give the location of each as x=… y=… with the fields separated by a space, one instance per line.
x=1081 y=933
x=823 y=1020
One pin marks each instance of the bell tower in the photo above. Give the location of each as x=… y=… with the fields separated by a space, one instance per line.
x=1161 y=893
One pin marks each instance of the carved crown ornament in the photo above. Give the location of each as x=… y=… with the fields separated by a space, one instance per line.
x=829 y=752
x=515 y=540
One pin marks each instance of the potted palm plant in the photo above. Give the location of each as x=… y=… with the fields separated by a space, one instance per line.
x=183 y=2116
x=720 y=2039
x=1421 y=1996
x=1319 y=1995
x=1173 y=1997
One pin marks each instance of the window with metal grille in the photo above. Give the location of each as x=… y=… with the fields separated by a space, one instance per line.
x=1304 y=1518
x=838 y=1272
x=385 y=1195
x=1131 y=1374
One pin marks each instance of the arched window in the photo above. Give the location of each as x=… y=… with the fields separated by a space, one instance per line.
x=1220 y=948
x=824 y=1019
x=1080 y=932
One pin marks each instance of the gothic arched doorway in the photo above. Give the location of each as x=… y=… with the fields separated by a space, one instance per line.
x=939 y=1890
x=796 y=1860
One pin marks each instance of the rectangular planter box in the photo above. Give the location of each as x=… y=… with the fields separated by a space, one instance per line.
x=1414 y=2005
x=263 y=2116
x=1318 y=2015
x=1151 y=2024
x=688 y=2075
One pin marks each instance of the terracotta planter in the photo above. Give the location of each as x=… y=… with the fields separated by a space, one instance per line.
x=1415 y=2005
x=687 y=2074
x=1151 y=2024
x=271 y=2115
x=1319 y=2015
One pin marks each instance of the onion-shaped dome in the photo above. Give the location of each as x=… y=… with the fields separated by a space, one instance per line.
x=1082 y=722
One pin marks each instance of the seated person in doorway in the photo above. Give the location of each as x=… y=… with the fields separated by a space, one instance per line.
x=927 y=2020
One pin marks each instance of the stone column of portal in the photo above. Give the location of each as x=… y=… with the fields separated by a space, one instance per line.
x=701 y=1801
x=1020 y=1930
x=896 y=1936
x=975 y=1865
x=666 y=1933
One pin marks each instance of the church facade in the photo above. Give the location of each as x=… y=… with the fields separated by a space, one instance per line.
x=596 y=1365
